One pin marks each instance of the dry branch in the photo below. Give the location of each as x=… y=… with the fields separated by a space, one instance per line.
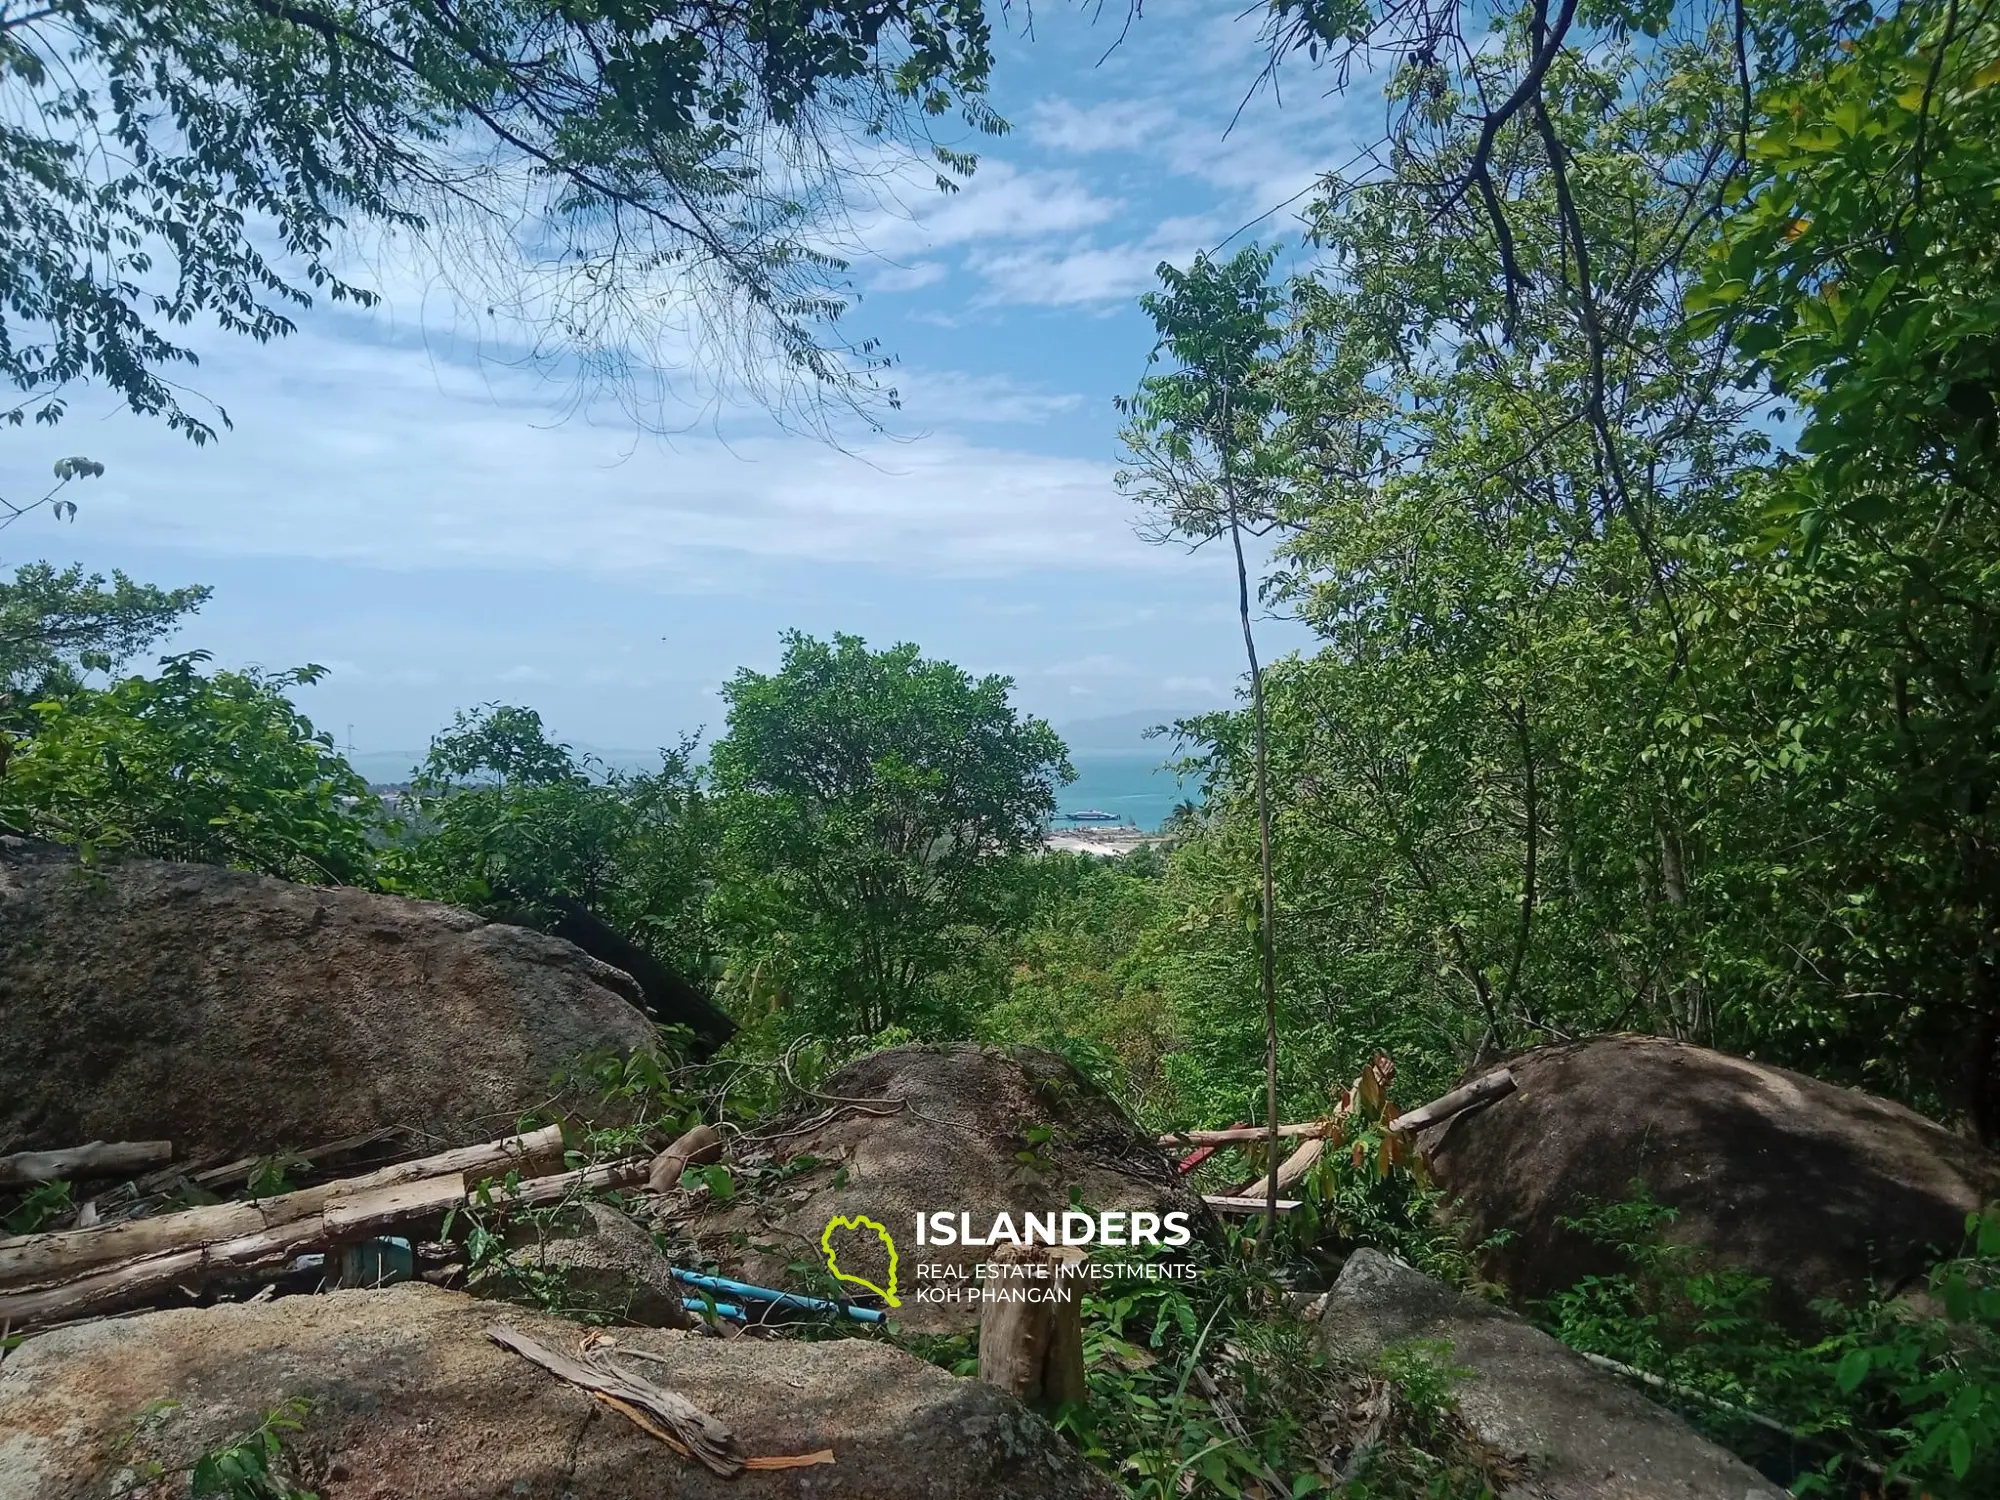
x=1233 y=1203
x=1290 y=1170
x=1495 y=1085
x=687 y=1428
x=66 y=1253
x=98 y=1159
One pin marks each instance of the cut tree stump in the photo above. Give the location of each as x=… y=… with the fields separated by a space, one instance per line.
x=98 y=1159
x=1031 y=1324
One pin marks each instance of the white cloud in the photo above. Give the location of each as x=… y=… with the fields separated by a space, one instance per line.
x=386 y=457
x=1115 y=125
x=1081 y=274
x=1000 y=202
x=908 y=278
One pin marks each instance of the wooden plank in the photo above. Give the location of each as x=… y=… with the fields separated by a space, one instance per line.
x=98 y=1159
x=1230 y=1203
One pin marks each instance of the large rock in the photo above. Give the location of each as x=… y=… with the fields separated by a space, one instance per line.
x=411 y=1401
x=1818 y=1187
x=597 y=1261
x=1586 y=1436
x=928 y=1129
x=235 y=1015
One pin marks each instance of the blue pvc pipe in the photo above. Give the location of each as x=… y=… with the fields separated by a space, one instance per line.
x=722 y=1309
x=778 y=1299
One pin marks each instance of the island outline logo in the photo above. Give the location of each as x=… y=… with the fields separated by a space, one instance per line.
x=860 y=1222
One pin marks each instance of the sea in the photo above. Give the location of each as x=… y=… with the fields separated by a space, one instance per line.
x=1130 y=783
x=1123 y=774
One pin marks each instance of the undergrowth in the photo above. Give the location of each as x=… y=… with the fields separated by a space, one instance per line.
x=1901 y=1394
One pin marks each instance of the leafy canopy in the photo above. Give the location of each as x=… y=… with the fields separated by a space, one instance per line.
x=871 y=802
x=217 y=769
x=645 y=185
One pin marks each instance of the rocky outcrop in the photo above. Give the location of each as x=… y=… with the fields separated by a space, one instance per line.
x=600 y=1262
x=407 y=1399
x=237 y=1015
x=1818 y=1187
x=1584 y=1435
x=934 y=1129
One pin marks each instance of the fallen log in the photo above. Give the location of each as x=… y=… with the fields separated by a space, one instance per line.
x=138 y=1281
x=1243 y=1133
x=67 y=1253
x=1290 y=1170
x=98 y=1159
x=319 y=1157
x=696 y=1147
x=367 y=1214
x=1495 y=1085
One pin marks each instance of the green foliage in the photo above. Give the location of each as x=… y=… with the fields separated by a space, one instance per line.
x=57 y=625
x=1906 y=1391
x=36 y=1207
x=255 y=1467
x=162 y=157
x=218 y=769
x=874 y=806
x=502 y=817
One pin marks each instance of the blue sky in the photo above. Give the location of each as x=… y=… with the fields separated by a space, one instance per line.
x=433 y=527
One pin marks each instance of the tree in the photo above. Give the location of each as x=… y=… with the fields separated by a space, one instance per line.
x=642 y=185
x=872 y=803
x=218 y=769
x=55 y=626
x=1196 y=441
x=502 y=817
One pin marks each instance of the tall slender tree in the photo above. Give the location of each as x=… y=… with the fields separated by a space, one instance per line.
x=1197 y=441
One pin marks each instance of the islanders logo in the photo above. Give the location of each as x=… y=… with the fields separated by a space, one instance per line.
x=860 y=1223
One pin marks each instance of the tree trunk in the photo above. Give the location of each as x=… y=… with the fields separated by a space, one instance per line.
x=98 y=1159
x=1266 y=924
x=1033 y=1349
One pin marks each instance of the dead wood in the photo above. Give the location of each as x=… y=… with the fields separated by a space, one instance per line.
x=98 y=1159
x=1495 y=1085
x=1033 y=1349
x=1233 y=1203
x=1290 y=1170
x=674 y=1419
x=67 y=1253
x=367 y=1214
x=695 y=1148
